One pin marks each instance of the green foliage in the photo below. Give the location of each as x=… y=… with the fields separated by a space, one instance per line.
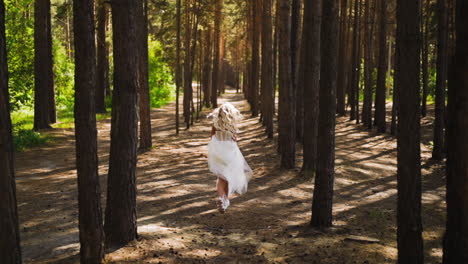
x=20 y=47
x=26 y=138
x=160 y=77
x=64 y=69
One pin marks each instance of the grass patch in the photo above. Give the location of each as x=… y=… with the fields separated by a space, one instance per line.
x=23 y=122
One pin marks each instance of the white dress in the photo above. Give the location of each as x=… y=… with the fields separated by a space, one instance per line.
x=226 y=161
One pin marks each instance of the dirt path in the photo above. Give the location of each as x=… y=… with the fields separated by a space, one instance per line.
x=177 y=220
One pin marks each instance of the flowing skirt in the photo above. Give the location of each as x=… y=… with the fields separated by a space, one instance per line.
x=226 y=161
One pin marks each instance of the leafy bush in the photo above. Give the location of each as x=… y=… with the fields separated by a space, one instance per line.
x=160 y=77
x=26 y=138
x=64 y=70
x=20 y=45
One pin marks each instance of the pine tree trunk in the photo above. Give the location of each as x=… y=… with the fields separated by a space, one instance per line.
x=42 y=66
x=120 y=219
x=439 y=121
x=207 y=67
x=425 y=57
x=217 y=58
x=295 y=66
x=456 y=234
x=102 y=58
x=89 y=192
x=368 y=66
x=267 y=68
x=380 y=109
x=50 y=69
x=341 y=86
x=178 y=77
x=144 y=96
x=254 y=81
x=322 y=202
x=10 y=250
x=408 y=45
x=311 y=63
x=187 y=65
x=355 y=65
x=287 y=111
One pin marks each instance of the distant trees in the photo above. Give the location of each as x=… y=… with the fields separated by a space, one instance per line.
x=10 y=251
x=456 y=235
x=89 y=192
x=408 y=46
x=322 y=202
x=215 y=80
x=102 y=57
x=120 y=218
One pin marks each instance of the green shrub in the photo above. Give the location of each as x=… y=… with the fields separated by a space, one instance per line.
x=160 y=77
x=27 y=138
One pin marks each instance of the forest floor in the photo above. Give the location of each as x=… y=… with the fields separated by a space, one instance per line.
x=177 y=219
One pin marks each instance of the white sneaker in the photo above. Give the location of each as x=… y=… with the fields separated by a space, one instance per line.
x=226 y=203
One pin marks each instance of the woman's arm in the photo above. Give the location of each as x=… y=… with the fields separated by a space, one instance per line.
x=213 y=131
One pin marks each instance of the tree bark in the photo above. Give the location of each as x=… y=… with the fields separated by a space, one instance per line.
x=254 y=81
x=408 y=45
x=439 y=121
x=89 y=192
x=217 y=58
x=295 y=66
x=341 y=85
x=178 y=76
x=42 y=65
x=368 y=66
x=267 y=68
x=311 y=63
x=355 y=65
x=10 y=250
x=380 y=109
x=120 y=220
x=322 y=203
x=456 y=234
x=187 y=65
x=287 y=130
x=207 y=67
x=144 y=96
x=425 y=57
x=102 y=58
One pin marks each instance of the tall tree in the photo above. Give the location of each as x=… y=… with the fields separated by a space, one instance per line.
x=255 y=72
x=44 y=104
x=120 y=219
x=368 y=65
x=425 y=54
x=217 y=57
x=207 y=67
x=144 y=97
x=187 y=64
x=342 y=57
x=295 y=65
x=380 y=109
x=10 y=250
x=178 y=75
x=89 y=192
x=102 y=58
x=322 y=202
x=286 y=118
x=456 y=234
x=408 y=45
x=267 y=76
x=439 y=121
x=356 y=63
x=311 y=64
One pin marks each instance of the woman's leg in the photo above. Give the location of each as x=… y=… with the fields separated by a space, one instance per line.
x=221 y=187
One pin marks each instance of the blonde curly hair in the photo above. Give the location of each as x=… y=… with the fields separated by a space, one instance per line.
x=226 y=118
